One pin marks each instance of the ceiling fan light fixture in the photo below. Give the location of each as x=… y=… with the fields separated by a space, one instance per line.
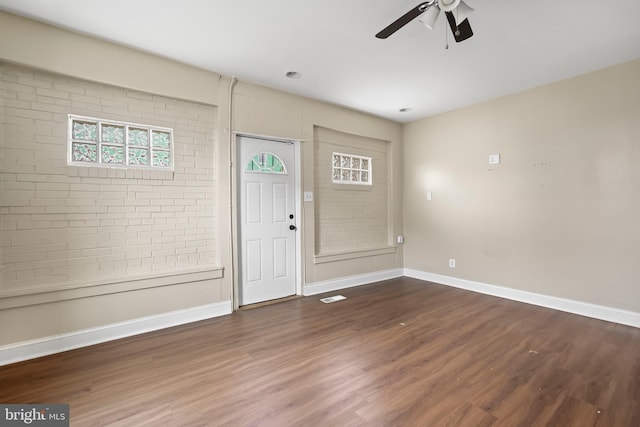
x=430 y=17
x=448 y=5
x=463 y=12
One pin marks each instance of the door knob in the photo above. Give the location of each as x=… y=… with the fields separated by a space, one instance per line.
x=293 y=227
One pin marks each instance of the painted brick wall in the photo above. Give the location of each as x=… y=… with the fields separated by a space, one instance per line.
x=350 y=217
x=67 y=225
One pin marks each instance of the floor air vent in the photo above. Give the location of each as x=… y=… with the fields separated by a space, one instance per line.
x=328 y=300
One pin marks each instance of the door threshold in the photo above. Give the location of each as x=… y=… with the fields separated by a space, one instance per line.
x=270 y=302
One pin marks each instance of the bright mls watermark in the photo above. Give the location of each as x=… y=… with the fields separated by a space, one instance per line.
x=54 y=415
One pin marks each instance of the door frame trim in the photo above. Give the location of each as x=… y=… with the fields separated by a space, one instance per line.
x=235 y=224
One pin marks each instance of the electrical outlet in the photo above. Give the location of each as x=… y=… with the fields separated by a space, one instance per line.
x=452 y=263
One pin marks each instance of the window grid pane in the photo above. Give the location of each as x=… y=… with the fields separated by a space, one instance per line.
x=113 y=154
x=138 y=137
x=93 y=142
x=161 y=139
x=351 y=169
x=84 y=152
x=161 y=158
x=113 y=134
x=85 y=131
x=138 y=156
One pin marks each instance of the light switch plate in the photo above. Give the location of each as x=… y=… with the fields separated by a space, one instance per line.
x=494 y=159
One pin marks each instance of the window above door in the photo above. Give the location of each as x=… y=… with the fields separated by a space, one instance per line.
x=267 y=163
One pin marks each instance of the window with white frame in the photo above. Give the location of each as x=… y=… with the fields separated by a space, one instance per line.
x=97 y=142
x=351 y=169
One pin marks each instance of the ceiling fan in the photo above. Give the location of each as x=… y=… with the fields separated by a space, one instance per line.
x=456 y=12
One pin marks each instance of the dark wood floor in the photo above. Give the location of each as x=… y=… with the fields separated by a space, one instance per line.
x=397 y=353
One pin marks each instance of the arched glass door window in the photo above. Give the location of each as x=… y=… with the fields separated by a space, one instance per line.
x=265 y=163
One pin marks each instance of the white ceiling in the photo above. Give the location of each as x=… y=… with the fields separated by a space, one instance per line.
x=518 y=44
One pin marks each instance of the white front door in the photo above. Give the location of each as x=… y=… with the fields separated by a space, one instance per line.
x=267 y=225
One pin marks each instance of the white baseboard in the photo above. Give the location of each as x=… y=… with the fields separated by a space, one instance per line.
x=609 y=314
x=349 y=282
x=55 y=344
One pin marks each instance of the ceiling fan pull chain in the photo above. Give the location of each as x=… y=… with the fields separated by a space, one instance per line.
x=446 y=39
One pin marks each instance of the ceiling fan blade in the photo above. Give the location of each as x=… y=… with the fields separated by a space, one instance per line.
x=404 y=20
x=461 y=31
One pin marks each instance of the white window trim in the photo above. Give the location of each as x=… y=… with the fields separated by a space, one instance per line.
x=369 y=170
x=99 y=143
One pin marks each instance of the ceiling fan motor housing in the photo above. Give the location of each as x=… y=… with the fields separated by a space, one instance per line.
x=448 y=5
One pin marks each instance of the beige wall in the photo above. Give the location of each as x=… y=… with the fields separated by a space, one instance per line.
x=558 y=216
x=264 y=111
x=350 y=217
x=31 y=43
x=43 y=198
x=86 y=302
x=70 y=225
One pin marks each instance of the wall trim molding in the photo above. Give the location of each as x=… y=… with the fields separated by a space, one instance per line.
x=609 y=314
x=350 y=282
x=347 y=255
x=22 y=298
x=26 y=350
